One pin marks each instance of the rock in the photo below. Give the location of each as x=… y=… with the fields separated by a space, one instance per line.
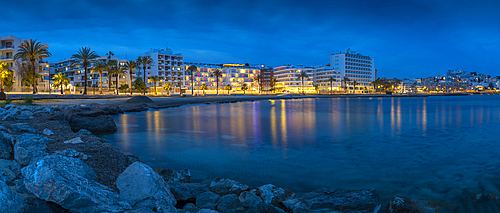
x=229 y=203
x=191 y=207
x=74 y=140
x=207 y=200
x=6 y=148
x=185 y=191
x=84 y=132
x=7 y=137
x=112 y=110
x=22 y=127
x=249 y=199
x=12 y=165
x=139 y=100
x=141 y=210
x=8 y=106
x=10 y=201
x=30 y=147
x=405 y=205
x=141 y=187
x=270 y=193
x=223 y=186
x=2 y=128
x=96 y=125
x=47 y=132
x=169 y=175
x=72 y=184
x=332 y=199
x=7 y=175
x=207 y=211
x=8 y=117
x=25 y=115
x=73 y=154
x=292 y=203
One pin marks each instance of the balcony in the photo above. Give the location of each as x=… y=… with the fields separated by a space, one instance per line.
x=7 y=47
x=7 y=58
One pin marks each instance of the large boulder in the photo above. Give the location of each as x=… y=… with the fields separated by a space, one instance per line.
x=207 y=200
x=9 y=170
x=333 y=199
x=30 y=147
x=10 y=202
x=97 y=125
x=6 y=149
x=141 y=187
x=405 y=205
x=230 y=203
x=186 y=191
x=139 y=100
x=270 y=193
x=70 y=183
x=170 y=175
x=223 y=186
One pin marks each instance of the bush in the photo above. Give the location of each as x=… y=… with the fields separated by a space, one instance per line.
x=8 y=101
x=28 y=99
x=139 y=84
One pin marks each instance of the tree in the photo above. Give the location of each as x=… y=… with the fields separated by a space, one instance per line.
x=191 y=70
x=59 y=80
x=316 y=87
x=490 y=86
x=154 y=79
x=32 y=51
x=144 y=61
x=301 y=77
x=130 y=66
x=331 y=80
x=84 y=56
x=117 y=71
x=217 y=74
x=179 y=84
x=354 y=83
x=4 y=72
x=99 y=68
x=244 y=88
x=167 y=87
x=139 y=84
x=123 y=87
x=258 y=78
x=203 y=87
x=345 y=80
x=228 y=88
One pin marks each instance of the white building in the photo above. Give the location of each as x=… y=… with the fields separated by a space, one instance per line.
x=167 y=65
x=9 y=45
x=287 y=78
x=232 y=74
x=322 y=75
x=354 y=66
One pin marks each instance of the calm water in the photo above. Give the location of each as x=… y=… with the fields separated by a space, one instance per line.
x=431 y=148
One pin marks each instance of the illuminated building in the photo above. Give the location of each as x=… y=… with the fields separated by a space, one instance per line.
x=322 y=75
x=287 y=78
x=234 y=74
x=354 y=66
x=167 y=65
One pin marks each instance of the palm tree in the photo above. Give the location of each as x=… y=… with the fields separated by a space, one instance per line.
x=99 y=68
x=130 y=66
x=244 y=88
x=273 y=84
x=59 y=80
x=144 y=61
x=192 y=69
x=4 y=72
x=154 y=79
x=258 y=78
x=110 y=54
x=167 y=87
x=203 y=87
x=345 y=80
x=117 y=71
x=32 y=51
x=301 y=77
x=228 y=88
x=331 y=80
x=217 y=74
x=84 y=55
x=354 y=83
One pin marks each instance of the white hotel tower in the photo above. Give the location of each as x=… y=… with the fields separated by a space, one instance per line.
x=167 y=65
x=355 y=66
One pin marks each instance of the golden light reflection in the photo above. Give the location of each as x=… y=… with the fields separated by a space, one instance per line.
x=274 y=131
x=393 y=117
x=283 y=124
x=399 y=115
x=424 y=117
x=157 y=118
x=380 y=114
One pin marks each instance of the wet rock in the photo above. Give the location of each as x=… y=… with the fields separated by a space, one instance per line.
x=190 y=208
x=73 y=154
x=207 y=200
x=112 y=110
x=223 y=186
x=25 y=115
x=333 y=199
x=292 y=203
x=207 y=211
x=12 y=165
x=8 y=117
x=47 y=132
x=7 y=175
x=141 y=187
x=22 y=127
x=10 y=201
x=141 y=210
x=71 y=183
x=74 y=140
x=8 y=106
x=6 y=148
x=30 y=147
x=84 y=132
x=97 y=125
x=270 y=193
x=230 y=203
x=185 y=191
x=249 y=199
x=407 y=205
x=170 y=175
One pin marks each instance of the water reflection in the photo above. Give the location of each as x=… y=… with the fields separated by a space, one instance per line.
x=418 y=147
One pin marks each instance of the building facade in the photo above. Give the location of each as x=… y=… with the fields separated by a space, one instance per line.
x=356 y=67
x=235 y=75
x=327 y=79
x=288 y=81
x=167 y=65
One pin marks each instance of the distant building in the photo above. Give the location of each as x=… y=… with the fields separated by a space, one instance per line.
x=9 y=46
x=232 y=74
x=322 y=75
x=167 y=65
x=267 y=75
x=356 y=67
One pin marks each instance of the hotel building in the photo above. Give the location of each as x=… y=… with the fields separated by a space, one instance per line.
x=354 y=66
x=287 y=78
x=233 y=74
x=167 y=65
x=322 y=75
x=9 y=46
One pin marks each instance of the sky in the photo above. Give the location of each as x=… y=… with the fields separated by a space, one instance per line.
x=407 y=39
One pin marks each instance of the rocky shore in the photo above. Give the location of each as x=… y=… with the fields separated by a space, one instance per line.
x=51 y=161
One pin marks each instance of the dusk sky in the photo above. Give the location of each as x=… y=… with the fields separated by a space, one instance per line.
x=408 y=39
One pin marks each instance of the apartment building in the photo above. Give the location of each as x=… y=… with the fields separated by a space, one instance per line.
x=167 y=65
x=9 y=46
x=232 y=74
x=267 y=75
x=287 y=78
x=322 y=76
x=355 y=66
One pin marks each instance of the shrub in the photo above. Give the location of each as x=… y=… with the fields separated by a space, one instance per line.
x=28 y=99
x=8 y=101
